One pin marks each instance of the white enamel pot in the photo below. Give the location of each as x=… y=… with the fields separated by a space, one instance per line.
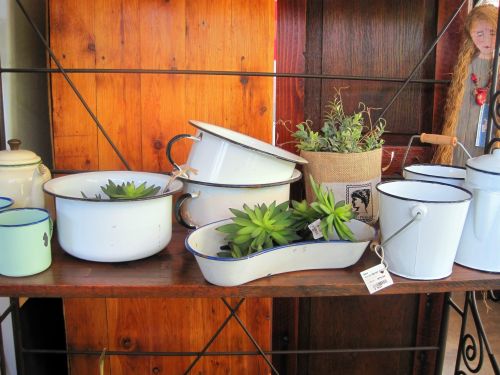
x=434 y=172
x=435 y=214
x=204 y=202
x=22 y=175
x=223 y=156
x=112 y=230
x=480 y=243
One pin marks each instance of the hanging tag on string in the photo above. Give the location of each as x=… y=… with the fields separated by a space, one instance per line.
x=315 y=228
x=377 y=278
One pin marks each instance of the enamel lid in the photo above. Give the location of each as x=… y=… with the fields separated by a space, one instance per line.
x=16 y=157
x=489 y=163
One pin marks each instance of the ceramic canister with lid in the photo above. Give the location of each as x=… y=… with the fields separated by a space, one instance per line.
x=22 y=175
x=479 y=246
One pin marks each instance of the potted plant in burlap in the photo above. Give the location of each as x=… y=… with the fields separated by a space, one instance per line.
x=344 y=156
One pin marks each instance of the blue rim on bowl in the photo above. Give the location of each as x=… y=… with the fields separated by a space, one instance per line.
x=5 y=202
x=193 y=251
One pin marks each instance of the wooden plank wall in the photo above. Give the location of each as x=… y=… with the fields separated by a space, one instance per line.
x=141 y=112
x=160 y=324
x=378 y=39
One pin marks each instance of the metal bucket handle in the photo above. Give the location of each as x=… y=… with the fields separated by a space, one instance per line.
x=435 y=139
x=418 y=212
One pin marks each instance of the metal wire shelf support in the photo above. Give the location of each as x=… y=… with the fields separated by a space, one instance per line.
x=468 y=349
x=470 y=298
x=64 y=71
x=14 y=310
x=72 y=85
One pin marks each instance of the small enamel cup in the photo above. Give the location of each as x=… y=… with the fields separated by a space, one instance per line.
x=25 y=235
x=5 y=203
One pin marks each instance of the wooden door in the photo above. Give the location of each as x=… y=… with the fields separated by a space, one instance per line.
x=373 y=39
x=140 y=112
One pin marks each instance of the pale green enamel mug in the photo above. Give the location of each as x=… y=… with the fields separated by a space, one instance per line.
x=25 y=235
x=5 y=203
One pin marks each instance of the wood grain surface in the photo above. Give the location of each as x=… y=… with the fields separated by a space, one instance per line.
x=74 y=132
x=165 y=325
x=142 y=112
x=361 y=39
x=173 y=272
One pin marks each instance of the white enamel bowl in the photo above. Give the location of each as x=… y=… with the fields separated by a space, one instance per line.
x=111 y=230
x=224 y=156
x=205 y=242
x=203 y=202
x=446 y=174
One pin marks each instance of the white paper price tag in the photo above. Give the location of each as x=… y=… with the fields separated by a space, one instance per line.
x=376 y=278
x=315 y=228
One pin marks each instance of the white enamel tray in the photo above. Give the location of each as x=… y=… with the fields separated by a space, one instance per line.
x=205 y=242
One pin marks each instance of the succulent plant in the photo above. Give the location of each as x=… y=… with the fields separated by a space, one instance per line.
x=262 y=227
x=333 y=215
x=126 y=190
x=304 y=215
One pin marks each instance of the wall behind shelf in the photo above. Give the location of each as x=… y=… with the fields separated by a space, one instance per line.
x=141 y=113
x=26 y=113
x=24 y=100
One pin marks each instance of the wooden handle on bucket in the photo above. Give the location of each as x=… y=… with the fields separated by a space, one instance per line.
x=438 y=139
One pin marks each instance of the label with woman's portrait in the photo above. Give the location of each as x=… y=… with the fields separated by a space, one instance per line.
x=363 y=197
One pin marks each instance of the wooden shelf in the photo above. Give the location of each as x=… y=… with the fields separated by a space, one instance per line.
x=174 y=273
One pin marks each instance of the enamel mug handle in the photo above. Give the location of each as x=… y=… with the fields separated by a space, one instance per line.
x=46 y=239
x=171 y=143
x=178 y=206
x=51 y=227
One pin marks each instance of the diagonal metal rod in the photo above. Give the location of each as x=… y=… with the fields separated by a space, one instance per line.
x=6 y=313
x=212 y=339
x=255 y=343
x=419 y=64
x=221 y=73
x=70 y=82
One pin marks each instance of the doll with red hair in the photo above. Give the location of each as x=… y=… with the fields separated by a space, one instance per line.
x=469 y=88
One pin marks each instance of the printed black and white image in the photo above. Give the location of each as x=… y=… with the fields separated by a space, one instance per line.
x=361 y=199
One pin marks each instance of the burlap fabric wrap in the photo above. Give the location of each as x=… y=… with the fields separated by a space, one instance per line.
x=352 y=177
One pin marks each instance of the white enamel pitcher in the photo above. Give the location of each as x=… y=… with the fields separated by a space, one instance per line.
x=22 y=175
x=479 y=246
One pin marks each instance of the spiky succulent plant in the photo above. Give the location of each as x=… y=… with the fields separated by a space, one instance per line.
x=262 y=227
x=304 y=215
x=333 y=215
x=127 y=190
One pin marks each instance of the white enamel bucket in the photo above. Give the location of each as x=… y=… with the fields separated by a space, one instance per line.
x=446 y=174
x=426 y=249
